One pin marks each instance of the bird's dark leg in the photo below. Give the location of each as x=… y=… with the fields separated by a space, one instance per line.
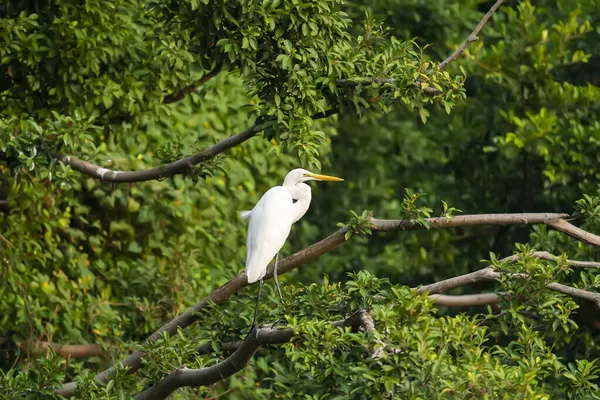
x=275 y=277
x=254 y=323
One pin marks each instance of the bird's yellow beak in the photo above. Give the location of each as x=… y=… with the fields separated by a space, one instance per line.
x=324 y=177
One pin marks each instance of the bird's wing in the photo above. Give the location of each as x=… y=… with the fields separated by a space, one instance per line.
x=270 y=225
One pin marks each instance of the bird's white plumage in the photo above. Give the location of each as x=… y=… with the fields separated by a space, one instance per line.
x=272 y=218
x=269 y=227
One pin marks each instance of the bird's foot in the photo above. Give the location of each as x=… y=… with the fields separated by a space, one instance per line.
x=253 y=330
x=277 y=323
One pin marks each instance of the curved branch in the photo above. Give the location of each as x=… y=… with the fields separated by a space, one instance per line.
x=237 y=361
x=164 y=171
x=167 y=170
x=331 y=242
x=472 y=37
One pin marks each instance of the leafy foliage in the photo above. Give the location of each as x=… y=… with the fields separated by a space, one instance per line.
x=513 y=126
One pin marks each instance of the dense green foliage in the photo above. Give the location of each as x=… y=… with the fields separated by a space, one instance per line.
x=109 y=81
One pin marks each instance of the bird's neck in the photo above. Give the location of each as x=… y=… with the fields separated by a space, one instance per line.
x=301 y=194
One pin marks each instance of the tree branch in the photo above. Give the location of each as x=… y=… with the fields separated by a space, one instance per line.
x=164 y=171
x=235 y=362
x=572 y=263
x=490 y=274
x=67 y=350
x=189 y=89
x=465 y=300
x=350 y=83
x=40 y=347
x=331 y=242
x=575 y=232
x=167 y=170
x=472 y=37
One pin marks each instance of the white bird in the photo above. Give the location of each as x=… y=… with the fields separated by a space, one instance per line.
x=271 y=220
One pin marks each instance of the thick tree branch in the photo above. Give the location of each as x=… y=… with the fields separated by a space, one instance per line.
x=237 y=361
x=331 y=242
x=465 y=300
x=4 y=206
x=391 y=225
x=472 y=37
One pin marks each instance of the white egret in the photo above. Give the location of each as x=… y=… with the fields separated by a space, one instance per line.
x=271 y=220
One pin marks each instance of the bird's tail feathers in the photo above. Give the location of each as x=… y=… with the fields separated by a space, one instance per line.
x=245 y=214
x=255 y=274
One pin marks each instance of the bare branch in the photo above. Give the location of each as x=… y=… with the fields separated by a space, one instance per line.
x=574 y=292
x=575 y=232
x=572 y=263
x=484 y=274
x=465 y=300
x=68 y=350
x=472 y=37
x=331 y=242
x=235 y=362
x=391 y=225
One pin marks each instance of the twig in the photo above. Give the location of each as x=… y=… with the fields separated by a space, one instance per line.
x=472 y=37
x=7 y=241
x=189 y=89
x=331 y=242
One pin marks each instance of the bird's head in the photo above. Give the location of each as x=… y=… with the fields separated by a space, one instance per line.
x=301 y=175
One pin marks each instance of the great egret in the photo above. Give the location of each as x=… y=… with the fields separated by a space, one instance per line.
x=271 y=220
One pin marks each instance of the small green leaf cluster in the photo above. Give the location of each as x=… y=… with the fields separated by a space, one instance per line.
x=357 y=225
x=415 y=213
